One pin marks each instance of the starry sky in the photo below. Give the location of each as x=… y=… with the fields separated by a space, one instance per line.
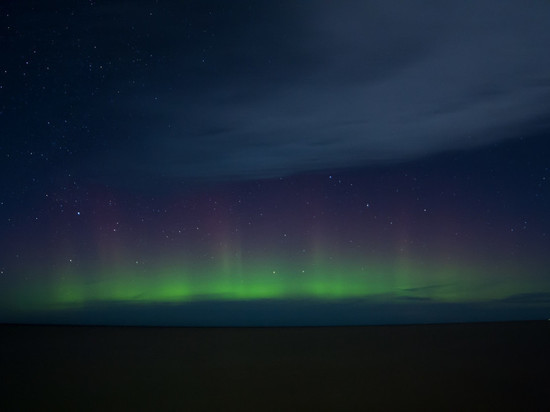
x=250 y=163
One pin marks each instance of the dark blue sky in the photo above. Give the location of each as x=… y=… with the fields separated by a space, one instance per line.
x=406 y=138
x=217 y=90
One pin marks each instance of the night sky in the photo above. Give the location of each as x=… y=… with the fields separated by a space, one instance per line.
x=274 y=163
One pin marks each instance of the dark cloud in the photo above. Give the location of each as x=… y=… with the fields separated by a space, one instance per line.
x=302 y=312
x=243 y=90
x=541 y=298
x=414 y=299
x=367 y=83
x=422 y=289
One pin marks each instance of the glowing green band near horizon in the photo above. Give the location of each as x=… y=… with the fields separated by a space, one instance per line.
x=259 y=281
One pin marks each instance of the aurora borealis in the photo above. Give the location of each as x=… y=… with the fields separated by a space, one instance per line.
x=397 y=235
x=329 y=282
x=191 y=160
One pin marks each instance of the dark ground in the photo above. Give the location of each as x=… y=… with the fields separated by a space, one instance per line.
x=487 y=366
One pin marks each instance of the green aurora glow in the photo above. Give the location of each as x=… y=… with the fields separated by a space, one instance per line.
x=236 y=281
